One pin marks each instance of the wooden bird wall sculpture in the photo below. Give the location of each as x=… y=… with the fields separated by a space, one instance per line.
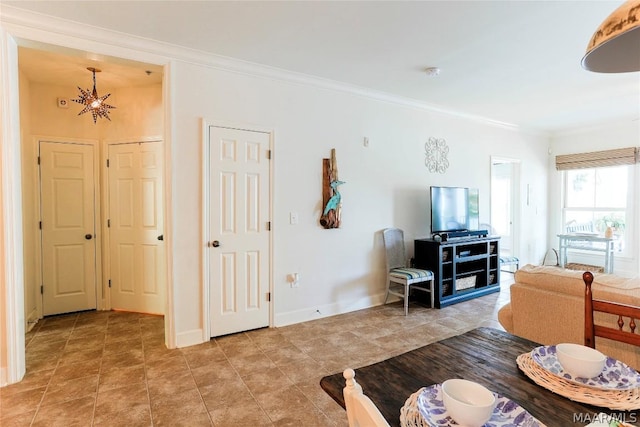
x=331 y=197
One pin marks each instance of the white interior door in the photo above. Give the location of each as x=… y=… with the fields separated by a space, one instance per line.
x=239 y=245
x=136 y=247
x=67 y=212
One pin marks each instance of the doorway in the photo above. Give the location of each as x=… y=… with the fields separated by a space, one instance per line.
x=505 y=200
x=21 y=270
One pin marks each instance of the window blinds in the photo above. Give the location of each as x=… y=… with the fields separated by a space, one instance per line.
x=617 y=157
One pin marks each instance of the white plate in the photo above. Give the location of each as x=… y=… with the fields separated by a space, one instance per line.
x=615 y=375
x=506 y=414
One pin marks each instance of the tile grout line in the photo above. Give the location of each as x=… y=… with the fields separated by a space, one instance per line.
x=146 y=379
x=95 y=400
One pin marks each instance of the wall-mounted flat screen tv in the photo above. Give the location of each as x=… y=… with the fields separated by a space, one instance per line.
x=453 y=209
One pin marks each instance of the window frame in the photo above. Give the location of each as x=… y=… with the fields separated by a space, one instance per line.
x=629 y=210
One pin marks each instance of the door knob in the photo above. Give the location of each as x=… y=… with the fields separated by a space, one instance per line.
x=88 y=236
x=161 y=237
x=215 y=243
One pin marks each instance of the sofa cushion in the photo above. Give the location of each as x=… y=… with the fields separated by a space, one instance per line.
x=605 y=286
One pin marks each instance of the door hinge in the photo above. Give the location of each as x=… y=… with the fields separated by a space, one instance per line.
x=41 y=289
x=38 y=160
x=40 y=225
x=109 y=282
x=268 y=225
x=107 y=162
x=269 y=296
x=269 y=154
x=108 y=223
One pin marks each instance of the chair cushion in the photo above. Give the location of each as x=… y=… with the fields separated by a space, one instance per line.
x=509 y=260
x=411 y=273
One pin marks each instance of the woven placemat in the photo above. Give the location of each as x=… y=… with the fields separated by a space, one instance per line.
x=626 y=400
x=409 y=413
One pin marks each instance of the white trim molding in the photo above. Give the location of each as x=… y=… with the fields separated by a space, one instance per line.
x=12 y=325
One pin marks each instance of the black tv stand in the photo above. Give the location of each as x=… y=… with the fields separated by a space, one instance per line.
x=464 y=267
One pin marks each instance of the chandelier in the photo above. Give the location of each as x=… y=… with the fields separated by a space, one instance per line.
x=92 y=102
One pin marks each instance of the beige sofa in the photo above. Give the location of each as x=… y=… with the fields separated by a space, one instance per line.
x=547 y=306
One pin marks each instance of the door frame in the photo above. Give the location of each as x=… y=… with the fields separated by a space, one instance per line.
x=12 y=315
x=104 y=196
x=96 y=206
x=514 y=197
x=206 y=229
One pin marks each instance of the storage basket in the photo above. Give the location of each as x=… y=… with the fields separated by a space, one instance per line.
x=465 y=282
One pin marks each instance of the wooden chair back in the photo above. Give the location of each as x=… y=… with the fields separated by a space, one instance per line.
x=361 y=411
x=627 y=316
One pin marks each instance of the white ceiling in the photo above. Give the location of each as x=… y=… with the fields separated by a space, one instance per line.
x=515 y=62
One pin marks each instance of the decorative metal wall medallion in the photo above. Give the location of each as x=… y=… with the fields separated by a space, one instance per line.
x=436 y=152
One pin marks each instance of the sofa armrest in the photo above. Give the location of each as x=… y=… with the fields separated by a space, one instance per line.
x=505 y=317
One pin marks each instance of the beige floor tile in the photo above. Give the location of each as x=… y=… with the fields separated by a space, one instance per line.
x=65 y=373
x=167 y=367
x=128 y=405
x=214 y=373
x=226 y=394
x=70 y=357
x=267 y=381
x=113 y=368
x=126 y=357
x=242 y=415
x=32 y=380
x=168 y=385
x=184 y=408
x=84 y=387
x=203 y=356
x=77 y=412
x=20 y=402
x=21 y=420
x=246 y=365
x=115 y=377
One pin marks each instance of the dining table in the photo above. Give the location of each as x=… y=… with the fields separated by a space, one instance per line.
x=483 y=355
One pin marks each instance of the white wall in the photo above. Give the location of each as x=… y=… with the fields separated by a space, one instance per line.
x=615 y=135
x=386 y=183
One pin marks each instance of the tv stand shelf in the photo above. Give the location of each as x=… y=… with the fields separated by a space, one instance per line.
x=463 y=268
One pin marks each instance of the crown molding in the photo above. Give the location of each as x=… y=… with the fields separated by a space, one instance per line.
x=29 y=27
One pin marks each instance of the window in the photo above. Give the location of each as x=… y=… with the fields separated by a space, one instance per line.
x=598 y=198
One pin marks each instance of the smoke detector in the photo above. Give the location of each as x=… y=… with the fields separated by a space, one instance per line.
x=432 y=71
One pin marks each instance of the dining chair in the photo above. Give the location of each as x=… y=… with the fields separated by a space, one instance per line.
x=400 y=278
x=623 y=311
x=361 y=411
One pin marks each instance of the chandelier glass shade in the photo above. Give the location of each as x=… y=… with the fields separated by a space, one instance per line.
x=92 y=102
x=615 y=46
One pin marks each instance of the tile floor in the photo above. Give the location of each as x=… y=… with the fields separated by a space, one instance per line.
x=112 y=368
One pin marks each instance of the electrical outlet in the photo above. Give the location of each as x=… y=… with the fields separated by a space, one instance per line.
x=293 y=218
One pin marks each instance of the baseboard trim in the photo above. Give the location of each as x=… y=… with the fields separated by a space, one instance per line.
x=32 y=320
x=327 y=310
x=189 y=338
